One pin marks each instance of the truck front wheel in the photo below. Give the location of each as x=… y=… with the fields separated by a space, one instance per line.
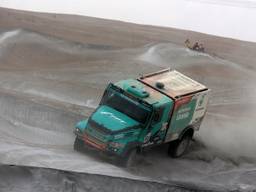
x=78 y=144
x=179 y=147
x=129 y=159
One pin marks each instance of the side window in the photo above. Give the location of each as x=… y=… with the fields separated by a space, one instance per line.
x=158 y=114
x=103 y=97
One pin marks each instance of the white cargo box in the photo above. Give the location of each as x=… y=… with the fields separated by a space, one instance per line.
x=190 y=100
x=175 y=84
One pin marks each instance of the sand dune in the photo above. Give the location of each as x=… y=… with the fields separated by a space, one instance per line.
x=54 y=68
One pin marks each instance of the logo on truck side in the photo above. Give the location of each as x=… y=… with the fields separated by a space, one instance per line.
x=183 y=113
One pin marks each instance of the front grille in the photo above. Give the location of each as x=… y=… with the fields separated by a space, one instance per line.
x=99 y=138
x=95 y=132
x=94 y=142
x=99 y=128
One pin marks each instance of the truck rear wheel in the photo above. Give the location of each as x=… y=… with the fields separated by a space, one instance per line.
x=78 y=144
x=179 y=147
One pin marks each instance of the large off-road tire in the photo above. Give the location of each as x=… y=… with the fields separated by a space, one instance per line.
x=129 y=159
x=179 y=147
x=78 y=144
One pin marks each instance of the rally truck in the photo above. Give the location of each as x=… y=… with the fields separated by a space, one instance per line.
x=165 y=107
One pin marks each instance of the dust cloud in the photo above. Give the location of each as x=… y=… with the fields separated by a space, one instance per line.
x=229 y=126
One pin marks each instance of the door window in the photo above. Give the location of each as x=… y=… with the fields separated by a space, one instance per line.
x=158 y=115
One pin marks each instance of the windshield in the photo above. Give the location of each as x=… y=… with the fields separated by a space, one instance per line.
x=123 y=104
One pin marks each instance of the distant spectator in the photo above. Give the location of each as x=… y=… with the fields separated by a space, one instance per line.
x=188 y=44
x=196 y=47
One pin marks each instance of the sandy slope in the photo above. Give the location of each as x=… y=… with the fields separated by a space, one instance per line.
x=54 y=68
x=121 y=34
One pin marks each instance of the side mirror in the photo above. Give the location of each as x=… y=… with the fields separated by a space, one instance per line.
x=156 y=117
x=158 y=114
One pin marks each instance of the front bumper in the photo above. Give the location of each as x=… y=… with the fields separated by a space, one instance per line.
x=93 y=144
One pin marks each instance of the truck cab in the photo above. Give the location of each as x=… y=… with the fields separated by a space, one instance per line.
x=158 y=108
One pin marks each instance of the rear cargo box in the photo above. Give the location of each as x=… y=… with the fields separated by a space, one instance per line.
x=190 y=99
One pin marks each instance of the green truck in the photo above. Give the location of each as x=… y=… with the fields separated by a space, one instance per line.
x=165 y=107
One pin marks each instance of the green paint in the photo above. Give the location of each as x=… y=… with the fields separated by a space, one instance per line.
x=82 y=125
x=113 y=119
x=127 y=85
x=182 y=117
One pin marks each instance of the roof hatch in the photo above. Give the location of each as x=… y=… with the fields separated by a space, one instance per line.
x=136 y=91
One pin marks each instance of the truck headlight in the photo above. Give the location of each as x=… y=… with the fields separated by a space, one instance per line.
x=78 y=130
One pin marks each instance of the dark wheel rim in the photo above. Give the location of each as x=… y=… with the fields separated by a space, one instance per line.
x=78 y=144
x=182 y=146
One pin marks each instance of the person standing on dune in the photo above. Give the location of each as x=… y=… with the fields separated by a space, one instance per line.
x=188 y=44
x=196 y=47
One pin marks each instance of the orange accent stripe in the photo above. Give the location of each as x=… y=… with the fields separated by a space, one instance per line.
x=94 y=143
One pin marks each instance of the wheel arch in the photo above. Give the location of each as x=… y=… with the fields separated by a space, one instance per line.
x=187 y=131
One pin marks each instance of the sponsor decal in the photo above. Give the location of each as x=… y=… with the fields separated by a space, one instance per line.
x=164 y=126
x=182 y=101
x=147 y=138
x=171 y=137
x=201 y=101
x=147 y=144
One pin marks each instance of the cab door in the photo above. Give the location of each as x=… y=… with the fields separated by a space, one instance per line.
x=157 y=130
